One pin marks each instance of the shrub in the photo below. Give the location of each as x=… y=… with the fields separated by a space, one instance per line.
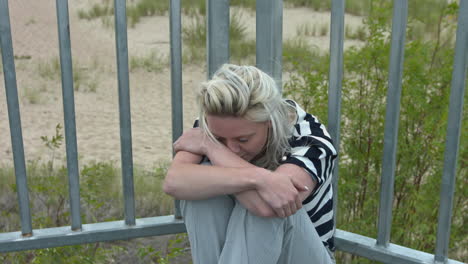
x=423 y=121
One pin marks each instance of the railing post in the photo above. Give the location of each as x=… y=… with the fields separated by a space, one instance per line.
x=11 y=90
x=124 y=109
x=400 y=13
x=453 y=134
x=63 y=25
x=269 y=44
x=176 y=78
x=217 y=37
x=335 y=84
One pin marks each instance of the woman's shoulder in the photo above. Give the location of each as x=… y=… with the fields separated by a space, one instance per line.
x=302 y=115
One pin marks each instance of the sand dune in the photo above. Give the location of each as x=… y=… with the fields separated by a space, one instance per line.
x=35 y=42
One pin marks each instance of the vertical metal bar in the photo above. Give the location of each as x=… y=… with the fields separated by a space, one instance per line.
x=269 y=31
x=334 y=91
x=453 y=134
x=124 y=109
x=400 y=13
x=217 y=37
x=176 y=78
x=11 y=90
x=63 y=24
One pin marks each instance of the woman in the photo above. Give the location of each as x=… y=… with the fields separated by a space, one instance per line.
x=254 y=175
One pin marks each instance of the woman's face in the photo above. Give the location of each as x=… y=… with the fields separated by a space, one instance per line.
x=243 y=137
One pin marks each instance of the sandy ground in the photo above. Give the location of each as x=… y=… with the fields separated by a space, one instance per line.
x=34 y=30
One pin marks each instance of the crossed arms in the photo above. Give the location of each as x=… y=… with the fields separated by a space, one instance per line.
x=265 y=193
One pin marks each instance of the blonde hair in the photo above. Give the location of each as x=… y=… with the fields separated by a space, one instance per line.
x=248 y=92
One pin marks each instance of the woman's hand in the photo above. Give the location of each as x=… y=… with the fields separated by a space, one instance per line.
x=281 y=192
x=193 y=141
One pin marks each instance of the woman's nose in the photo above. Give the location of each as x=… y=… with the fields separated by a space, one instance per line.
x=233 y=146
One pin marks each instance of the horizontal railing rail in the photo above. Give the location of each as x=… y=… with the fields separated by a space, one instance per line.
x=268 y=57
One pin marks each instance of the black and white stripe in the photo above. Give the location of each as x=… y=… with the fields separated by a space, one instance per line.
x=313 y=150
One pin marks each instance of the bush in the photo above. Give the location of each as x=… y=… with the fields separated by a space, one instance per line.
x=423 y=121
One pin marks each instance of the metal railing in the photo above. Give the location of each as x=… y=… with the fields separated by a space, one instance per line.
x=269 y=52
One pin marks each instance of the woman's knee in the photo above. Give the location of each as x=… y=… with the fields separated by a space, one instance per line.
x=219 y=205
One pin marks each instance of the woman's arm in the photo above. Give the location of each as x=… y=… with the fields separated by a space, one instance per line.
x=266 y=194
x=281 y=196
x=188 y=180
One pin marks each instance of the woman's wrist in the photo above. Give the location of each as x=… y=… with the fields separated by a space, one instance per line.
x=258 y=176
x=210 y=148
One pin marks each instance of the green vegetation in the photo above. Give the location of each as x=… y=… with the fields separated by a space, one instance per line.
x=146 y=8
x=33 y=96
x=423 y=121
x=422 y=131
x=242 y=49
x=31 y=21
x=421 y=12
x=139 y=9
x=22 y=57
x=96 y=11
x=323 y=29
x=298 y=53
x=101 y=200
x=84 y=77
x=308 y=30
x=358 y=34
x=49 y=70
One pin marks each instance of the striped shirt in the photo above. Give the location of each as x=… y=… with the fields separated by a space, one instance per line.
x=313 y=150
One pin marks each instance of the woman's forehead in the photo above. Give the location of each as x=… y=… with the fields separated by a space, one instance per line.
x=230 y=126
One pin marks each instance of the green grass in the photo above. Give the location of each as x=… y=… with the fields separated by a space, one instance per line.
x=316 y=5
x=31 y=21
x=306 y=29
x=250 y=4
x=153 y=62
x=357 y=34
x=101 y=200
x=96 y=11
x=194 y=34
x=22 y=57
x=79 y=77
x=323 y=29
x=425 y=11
x=33 y=96
x=298 y=53
x=194 y=39
x=49 y=70
x=243 y=52
x=100 y=191
x=312 y=30
x=145 y=8
x=357 y=7
x=85 y=78
x=139 y=9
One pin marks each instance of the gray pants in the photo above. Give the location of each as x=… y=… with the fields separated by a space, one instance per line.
x=222 y=231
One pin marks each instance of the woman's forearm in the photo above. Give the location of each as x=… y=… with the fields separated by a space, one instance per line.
x=194 y=182
x=259 y=204
x=220 y=155
x=250 y=199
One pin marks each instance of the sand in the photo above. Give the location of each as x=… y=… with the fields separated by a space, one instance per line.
x=34 y=30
